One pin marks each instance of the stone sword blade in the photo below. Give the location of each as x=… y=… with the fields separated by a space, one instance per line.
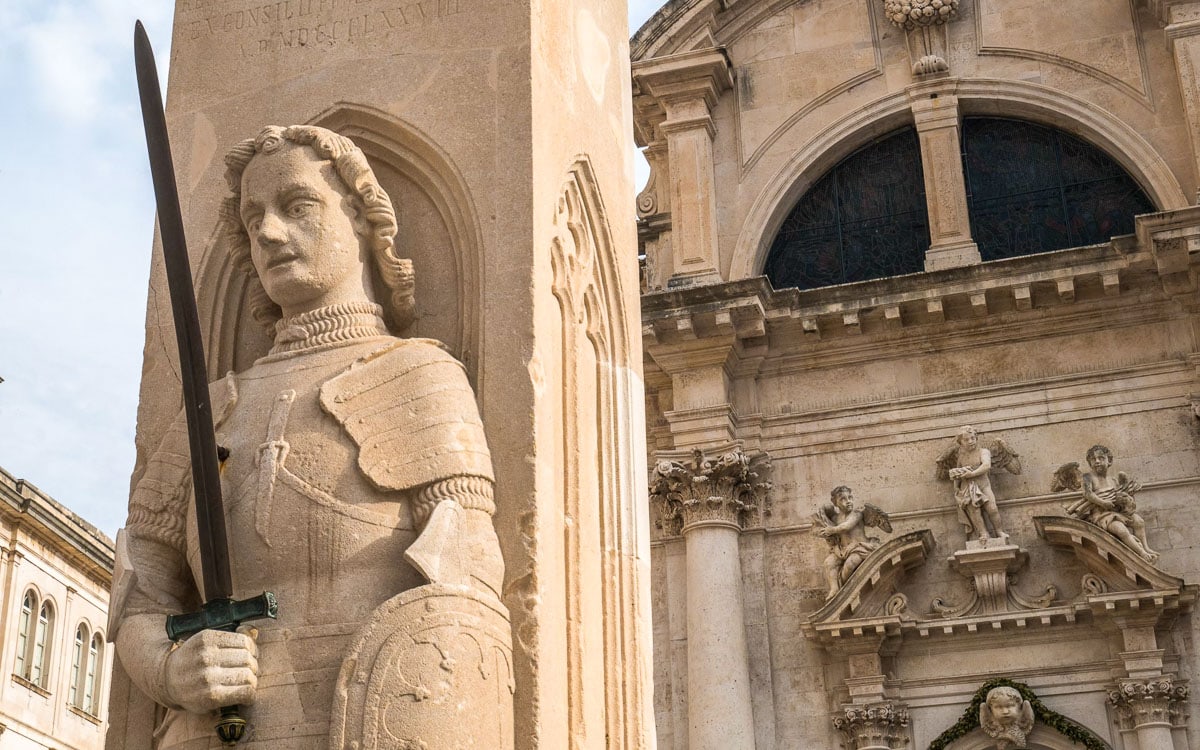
x=206 y=479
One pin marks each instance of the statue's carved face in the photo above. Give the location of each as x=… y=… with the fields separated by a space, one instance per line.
x=968 y=438
x=1005 y=708
x=303 y=233
x=1099 y=461
x=844 y=501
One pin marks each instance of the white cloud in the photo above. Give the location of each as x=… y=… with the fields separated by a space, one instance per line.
x=77 y=53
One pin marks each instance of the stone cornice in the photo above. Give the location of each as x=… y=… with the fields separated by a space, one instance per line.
x=1155 y=261
x=51 y=522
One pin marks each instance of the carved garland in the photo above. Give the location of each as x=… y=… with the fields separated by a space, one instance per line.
x=969 y=721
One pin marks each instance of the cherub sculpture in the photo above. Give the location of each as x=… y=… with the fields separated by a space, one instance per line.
x=967 y=465
x=844 y=526
x=1006 y=717
x=1105 y=502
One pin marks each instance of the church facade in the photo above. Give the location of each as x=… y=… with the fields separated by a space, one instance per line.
x=921 y=353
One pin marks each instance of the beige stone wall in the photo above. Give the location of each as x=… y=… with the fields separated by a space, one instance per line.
x=866 y=384
x=49 y=550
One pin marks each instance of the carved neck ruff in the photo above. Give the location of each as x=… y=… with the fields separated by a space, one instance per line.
x=328 y=325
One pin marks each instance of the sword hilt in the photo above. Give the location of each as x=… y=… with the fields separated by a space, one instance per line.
x=224 y=614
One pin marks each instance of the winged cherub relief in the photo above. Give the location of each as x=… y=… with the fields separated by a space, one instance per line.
x=967 y=464
x=1006 y=717
x=1105 y=502
x=845 y=526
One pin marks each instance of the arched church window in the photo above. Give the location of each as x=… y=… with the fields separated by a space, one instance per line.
x=39 y=662
x=864 y=219
x=1032 y=189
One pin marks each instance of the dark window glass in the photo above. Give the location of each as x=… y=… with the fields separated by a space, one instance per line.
x=864 y=219
x=1032 y=189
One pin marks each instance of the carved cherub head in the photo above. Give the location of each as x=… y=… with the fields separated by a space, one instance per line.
x=1100 y=458
x=968 y=437
x=360 y=215
x=1006 y=717
x=842 y=498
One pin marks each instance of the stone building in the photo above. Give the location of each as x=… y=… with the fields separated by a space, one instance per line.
x=870 y=224
x=55 y=573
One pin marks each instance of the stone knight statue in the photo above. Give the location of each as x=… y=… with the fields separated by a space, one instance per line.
x=358 y=488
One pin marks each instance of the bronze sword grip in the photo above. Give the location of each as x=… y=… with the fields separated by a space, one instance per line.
x=224 y=614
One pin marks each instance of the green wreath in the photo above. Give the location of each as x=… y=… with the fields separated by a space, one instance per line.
x=969 y=721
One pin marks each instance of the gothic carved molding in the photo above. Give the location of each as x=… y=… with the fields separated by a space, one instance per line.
x=880 y=725
x=725 y=488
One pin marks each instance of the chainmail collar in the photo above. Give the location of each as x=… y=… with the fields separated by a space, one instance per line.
x=327 y=325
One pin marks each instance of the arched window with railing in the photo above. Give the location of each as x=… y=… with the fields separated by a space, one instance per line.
x=1030 y=189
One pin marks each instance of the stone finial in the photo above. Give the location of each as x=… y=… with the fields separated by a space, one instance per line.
x=1006 y=717
x=723 y=489
x=880 y=725
x=1156 y=700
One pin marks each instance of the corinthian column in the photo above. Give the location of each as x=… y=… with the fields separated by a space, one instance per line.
x=882 y=726
x=708 y=500
x=1149 y=707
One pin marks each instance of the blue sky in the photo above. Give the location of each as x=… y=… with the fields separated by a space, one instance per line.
x=75 y=241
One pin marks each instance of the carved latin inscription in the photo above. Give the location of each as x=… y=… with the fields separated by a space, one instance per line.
x=292 y=24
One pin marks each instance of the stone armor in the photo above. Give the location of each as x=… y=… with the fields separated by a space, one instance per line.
x=334 y=472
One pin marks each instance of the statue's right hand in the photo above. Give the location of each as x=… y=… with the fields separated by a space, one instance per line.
x=213 y=668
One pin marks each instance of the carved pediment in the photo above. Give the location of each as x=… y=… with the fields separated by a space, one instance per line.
x=869 y=599
x=1118 y=578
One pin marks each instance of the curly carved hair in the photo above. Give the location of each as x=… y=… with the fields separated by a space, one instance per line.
x=350 y=164
x=1101 y=450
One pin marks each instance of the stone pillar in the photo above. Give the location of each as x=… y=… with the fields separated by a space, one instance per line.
x=686 y=88
x=1149 y=707
x=935 y=113
x=708 y=500
x=880 y=726
x=501 y=132
x=1183 y=35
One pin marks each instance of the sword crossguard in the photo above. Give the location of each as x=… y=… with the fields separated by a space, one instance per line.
x=224 y=614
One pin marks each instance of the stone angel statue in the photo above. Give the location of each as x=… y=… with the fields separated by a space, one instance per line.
x=1006 y=717
x=967 y=465
x=1104 y=501
x=844 y=526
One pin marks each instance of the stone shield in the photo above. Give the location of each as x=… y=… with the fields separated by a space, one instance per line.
x=430 y=670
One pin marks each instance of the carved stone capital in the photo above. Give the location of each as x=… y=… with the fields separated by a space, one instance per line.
x=873 y=727
x=1161 y=700
x=721 y=489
